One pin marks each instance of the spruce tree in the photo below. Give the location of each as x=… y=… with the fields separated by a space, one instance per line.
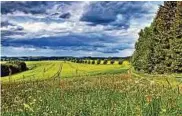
x=159 y=47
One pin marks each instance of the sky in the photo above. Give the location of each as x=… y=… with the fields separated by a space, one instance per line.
x=90 y=28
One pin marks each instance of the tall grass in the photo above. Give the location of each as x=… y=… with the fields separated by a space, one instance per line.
x=104 y=95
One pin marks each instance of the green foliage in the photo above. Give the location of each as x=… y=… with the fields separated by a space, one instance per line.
x=12 y=67
x=79 y=61
x=112 y=61
x=120 y=62
x=4 y=70
x=98 y=61
x=159 y=47
x=89 y=61
x=93 y=61
x=85 y=61
x=105 y=61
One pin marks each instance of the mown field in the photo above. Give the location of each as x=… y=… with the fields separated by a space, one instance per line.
x=40 y=70
x=61 y=88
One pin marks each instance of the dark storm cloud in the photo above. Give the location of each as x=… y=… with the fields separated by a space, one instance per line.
x=99 y=27
x=26 y=7
x=65 y=16
x=107 y=13
x=64 y=41
x=71 y=42
x=33 y=7
x=6 y=23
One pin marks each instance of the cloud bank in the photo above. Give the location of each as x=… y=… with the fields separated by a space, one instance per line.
x=73 y=28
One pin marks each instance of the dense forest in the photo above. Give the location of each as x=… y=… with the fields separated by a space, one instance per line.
x=159 y=47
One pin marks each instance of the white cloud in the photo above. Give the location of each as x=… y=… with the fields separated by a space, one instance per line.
x=49 y=25
x=8 y=28
x=37 y=28
x=23 y=48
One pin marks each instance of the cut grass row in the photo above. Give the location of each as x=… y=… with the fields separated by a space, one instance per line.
x=40 y=70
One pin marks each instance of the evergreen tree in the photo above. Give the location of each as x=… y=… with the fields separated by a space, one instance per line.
x=176 y=43
x=159 y=47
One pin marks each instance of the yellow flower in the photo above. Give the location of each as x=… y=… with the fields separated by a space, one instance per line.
x=163 y=110
x=148 y=98
x=28 y=107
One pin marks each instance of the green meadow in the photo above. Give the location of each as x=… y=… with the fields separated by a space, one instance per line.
x=63 y=88
x=79 y=59
x=39 y=70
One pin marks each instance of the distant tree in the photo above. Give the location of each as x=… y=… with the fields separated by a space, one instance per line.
x=105 y=61
x=80 y=61
x=93 y=61
x=22 y=66
x=98 y=61
x=89 y=62
x=112 y=61
x=73 y=60
x=120 y=62
x=85 y=61
x=77 y=61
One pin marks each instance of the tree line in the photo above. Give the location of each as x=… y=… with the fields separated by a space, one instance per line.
x=159 y=47
x=98 y=61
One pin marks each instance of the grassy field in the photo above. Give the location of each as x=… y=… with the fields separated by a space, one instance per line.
x=92 y=90
x=39 y=70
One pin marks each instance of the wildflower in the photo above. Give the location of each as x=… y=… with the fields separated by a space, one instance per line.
x=163 y=110
x=152 y=82
x=28 y=107
x=148 y=98
x=136 y=82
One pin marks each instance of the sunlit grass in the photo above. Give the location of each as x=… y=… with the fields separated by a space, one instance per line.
x=39 y=70
x=118 y=94
x=90 y=90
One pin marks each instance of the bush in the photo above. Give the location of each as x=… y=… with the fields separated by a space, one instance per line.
x=105 y=61
x=89 y=62
x=22 y=66
x=112 y=61
x=74 y=60
x=98 y=61
x=93 y=61
x=120 y=62
x=12 y=67
x=77 y=61
x=4 y=70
